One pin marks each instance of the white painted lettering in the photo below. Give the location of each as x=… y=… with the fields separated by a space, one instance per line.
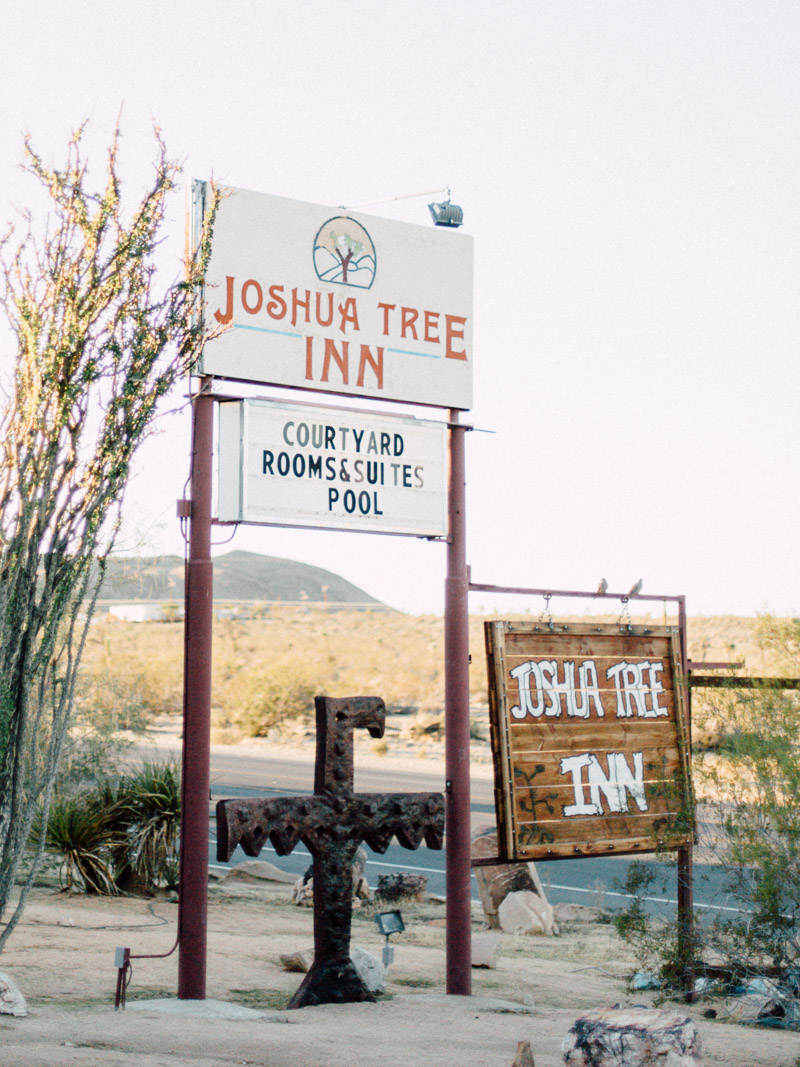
x=574 y=765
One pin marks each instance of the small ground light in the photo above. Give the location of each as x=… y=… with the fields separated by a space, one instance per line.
x=388 y=923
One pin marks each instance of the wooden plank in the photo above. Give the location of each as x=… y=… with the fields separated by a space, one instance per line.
x=498 y=733
x=619 y=646
x=651 y=828
x=602 y=665
x=547 y=803
x=556 y=735
x=625 y=846
x=559 y=712
x=593 y=630
x=711 y=681
x=542 y=771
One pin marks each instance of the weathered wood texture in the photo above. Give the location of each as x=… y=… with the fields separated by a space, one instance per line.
x=589 y=739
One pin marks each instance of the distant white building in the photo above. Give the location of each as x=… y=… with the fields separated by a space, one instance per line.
x=151 y=612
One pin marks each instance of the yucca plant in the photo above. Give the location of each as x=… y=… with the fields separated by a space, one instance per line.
x=82 y=827
x=119 y=836
x=147 y=813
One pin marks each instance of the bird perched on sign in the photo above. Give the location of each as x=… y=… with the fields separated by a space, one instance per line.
x=636 y=589
x=602 y=587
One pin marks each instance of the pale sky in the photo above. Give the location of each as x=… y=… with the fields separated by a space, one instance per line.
x=629 y=173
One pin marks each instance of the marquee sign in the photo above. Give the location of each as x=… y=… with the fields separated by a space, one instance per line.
x=338 y=302
x=589 y=738
x=300 y=465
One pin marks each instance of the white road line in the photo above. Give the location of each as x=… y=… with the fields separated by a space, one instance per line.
x=649 y=900
x=553 y=885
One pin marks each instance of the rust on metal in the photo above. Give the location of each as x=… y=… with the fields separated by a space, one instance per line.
x=332 y=824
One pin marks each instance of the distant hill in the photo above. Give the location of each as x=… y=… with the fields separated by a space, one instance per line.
x=237 y=576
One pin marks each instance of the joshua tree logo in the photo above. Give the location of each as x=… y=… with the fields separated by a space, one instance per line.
x=344 y=253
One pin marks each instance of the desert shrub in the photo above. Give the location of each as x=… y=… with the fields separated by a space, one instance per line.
x=119 y=836
x=147 y=814
x=262 y=699
x=131 y=673
x=426 y=727
x=81 y=827
x=748 y=782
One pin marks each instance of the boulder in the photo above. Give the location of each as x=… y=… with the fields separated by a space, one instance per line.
x=303 y=890
x=763 y=1009
x=370 y=969
x=632 y=1037
x=12 y=1001
x=524 y=1056
x=257 y=871
x=525 y=912
x=484 y=950
x=298 y=962
x=303 y=893
x=395 y=888
x=497 y=881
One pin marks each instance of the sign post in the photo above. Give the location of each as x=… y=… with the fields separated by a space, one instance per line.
x=457 y=787
x=195 y=776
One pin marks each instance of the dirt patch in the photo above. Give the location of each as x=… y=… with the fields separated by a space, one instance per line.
x=62 y=957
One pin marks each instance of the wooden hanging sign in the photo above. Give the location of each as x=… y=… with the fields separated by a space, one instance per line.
x=589 y=739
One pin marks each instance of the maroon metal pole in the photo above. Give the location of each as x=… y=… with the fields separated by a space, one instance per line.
x=456 y=642
x=193 y=879
x=685 y=858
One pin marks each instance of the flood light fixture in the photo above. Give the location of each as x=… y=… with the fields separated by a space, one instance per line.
x=389 y=922
x=446 y=214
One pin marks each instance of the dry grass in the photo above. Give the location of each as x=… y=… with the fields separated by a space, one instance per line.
x=267 y=670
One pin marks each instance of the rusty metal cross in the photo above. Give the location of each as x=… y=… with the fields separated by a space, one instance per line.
x=332 y=824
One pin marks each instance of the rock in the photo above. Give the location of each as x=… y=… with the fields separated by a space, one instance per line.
x=524 y=1056
x=298 y=962
x=303 y=890
x=632 y=1037
x=370 y=970
x=763 y=986
x=12 y=1001
x=303 y=893
x=257 y=871
x=484 y=950
x=359 y=868
x=747 y=1008
x=524 y=912
x=517 y=914
x=759 y=1009
x=395 y=888
x=645 y=980
x=497 y=881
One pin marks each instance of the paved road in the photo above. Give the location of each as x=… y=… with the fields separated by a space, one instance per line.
x=595 y=881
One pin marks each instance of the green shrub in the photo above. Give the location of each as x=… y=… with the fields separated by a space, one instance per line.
x=147 y=812
x=120 y=836
x=748 y=783
x=82 y=828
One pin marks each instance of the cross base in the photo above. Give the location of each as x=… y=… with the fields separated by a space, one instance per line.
x=330 y=982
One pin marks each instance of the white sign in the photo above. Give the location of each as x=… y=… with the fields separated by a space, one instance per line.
x=298 y=465
x=339 y=302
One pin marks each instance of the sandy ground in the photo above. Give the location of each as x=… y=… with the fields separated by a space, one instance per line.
x=62 y=957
